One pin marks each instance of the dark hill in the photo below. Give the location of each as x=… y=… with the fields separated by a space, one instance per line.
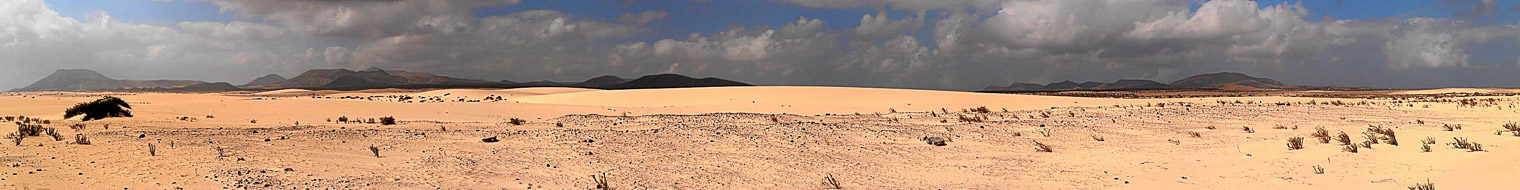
x=675 y=81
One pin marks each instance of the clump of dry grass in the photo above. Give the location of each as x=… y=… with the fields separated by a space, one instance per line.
x=387 y=120
x=1462 y=143
x=830 y=183
x=1425 y=147
x=1041 y=147
x=981 y=109
x=152 y=151
x=1194 y=134
x=1211 y=127
x=53 y=133
x=1423 y=186
x=375 y=150
x=1319 y=170
x=1247 y=129
x=972 y=119
x=1097 y=138
x=1350 y=148
x=80 y=139
x=1321 y=134
x=601 y=181
x=1295 y=143
x=16 y=137
x=1450 y=127
x=1343 y=138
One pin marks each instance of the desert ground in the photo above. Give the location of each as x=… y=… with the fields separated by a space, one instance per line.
x=764 y=138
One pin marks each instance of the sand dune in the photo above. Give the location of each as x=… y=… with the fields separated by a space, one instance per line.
x=690 y=138
x=810 y=100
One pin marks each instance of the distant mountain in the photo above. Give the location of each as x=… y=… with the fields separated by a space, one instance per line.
x=604 y=81
x=369 y=78
x=344 y=79
x=267 y=80
x=86 y=80
x=675 y=81
x=1132 y=84
x=1214 y=80
x=207 y=87
x=1125 y=84
x=1223 y=81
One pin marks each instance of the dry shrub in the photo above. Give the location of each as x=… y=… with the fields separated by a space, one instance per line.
x=1041 y=147
x=1423 y=186
x=29 y=129
x=1343 y=138
x=981 y=109
x=972 y=119
x=387 y=120
x=80 y=139
x=1350 y=148
x=1321 y=134
x=375 y=150
x=1450 y=127
x=601 y=181
x=16 y=137
x=53 y=133
x=1295 y=143
x=830 y=183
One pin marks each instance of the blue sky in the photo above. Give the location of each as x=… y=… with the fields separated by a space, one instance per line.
x=1384 y=44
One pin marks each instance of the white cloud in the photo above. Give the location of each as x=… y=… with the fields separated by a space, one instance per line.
x=642 y=18
x=1425 y=43
x=881 y=26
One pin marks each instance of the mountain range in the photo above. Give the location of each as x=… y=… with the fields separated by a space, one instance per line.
x=1221 y=80
x=344 y=79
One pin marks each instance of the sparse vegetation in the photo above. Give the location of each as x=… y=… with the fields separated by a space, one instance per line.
x=80 y=139
x=1350 y=148
x=1247 y=129
x=1425 y=148
x=1321 y=134
x=1097 y=138
x=1194 y=134
x=375 y=150
x=1462 y=143
x=53 y=133
x=99 y=109
x=1295 y=143
x=516 y=121
x=387 y=120
x=152 y=151
x=830 y=183
x=1041 y=147
x=1423 y=186
x=1450 y=127
x=601 y=181
x=1319 y=170
x=1343 y=138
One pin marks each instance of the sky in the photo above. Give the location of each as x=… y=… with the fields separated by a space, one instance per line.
x=940 y=44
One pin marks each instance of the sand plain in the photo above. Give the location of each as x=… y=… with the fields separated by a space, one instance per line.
x=754 y=138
